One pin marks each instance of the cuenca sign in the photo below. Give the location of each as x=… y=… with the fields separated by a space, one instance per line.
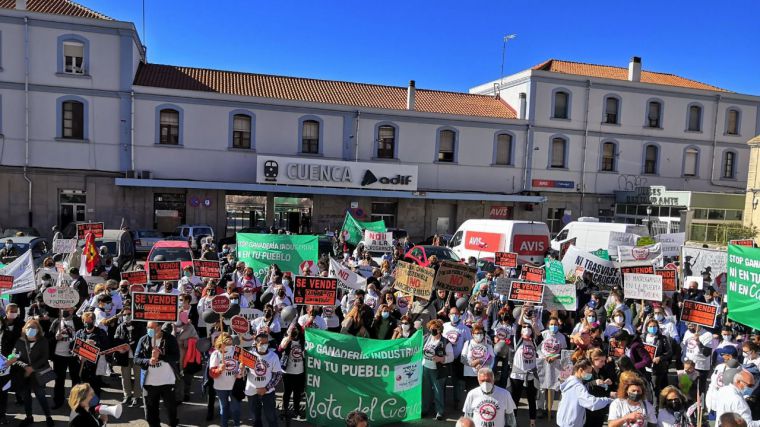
x=334 y=173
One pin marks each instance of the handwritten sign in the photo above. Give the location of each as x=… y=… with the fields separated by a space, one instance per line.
x=699 y=313
x=618 y=238
x=414 y=279
x=669 y=280
x=64 y=246
x=643 y=286
x=531 y=273
x=505 y=259
x=96 y=228
x=164 y=270
x=6 y=282
x=205 y=268
x=86 y=351
x=315 y=290
x=60 y=297
x=149 y=307
x=139 y=277
x=378 y=241
x=526 y=292
x=454 y=277
x=347 y=279
x=502 y=285
x=671 y=243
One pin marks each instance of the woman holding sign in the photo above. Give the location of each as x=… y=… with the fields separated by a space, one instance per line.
x=224 y=369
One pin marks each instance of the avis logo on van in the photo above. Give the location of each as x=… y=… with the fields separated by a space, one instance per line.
x=527 y=244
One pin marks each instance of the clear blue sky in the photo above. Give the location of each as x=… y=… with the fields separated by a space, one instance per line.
x=449 y=45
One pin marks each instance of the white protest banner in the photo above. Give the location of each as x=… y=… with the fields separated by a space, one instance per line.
x=618 y=238
x=64 y=246
x=688 y=280
x=346 y=278
x=93 y=281
x=375 y=241
x=671 y=243
x=22 y=270
x=502 y=285
x=651 y=253
x=603 y=271
x=643 y=286
x=695 y=261
x=560 y=297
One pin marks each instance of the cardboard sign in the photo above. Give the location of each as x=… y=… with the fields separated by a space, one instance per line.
x=136 y=288
x=93 y=281
x=414 y=279
x=239 y=324
x=375 y=241
x=743 y=242
x=560 y=297
x=245 y=357
x=95 y=228
x=204 y=268
x=526 y=292
x=59 y=297
x=118 y=349
x=149 y=307
x=616 y=349
x=699 y=313
x=139 y=277
x=315 y=290
x=502 y=285
x=643 y=286
x=531 y=273
x=695 y=261
x=564 y=246
x=6 y=282
x=669 y=281
x=618 y=238
x=651 y=253
x=652 y=350
x=64 y=246
x=671 y=243
x=164 y=270
x=554 y=272
x=505 y=259
x=220 y=304
x=86 y=351
x=454 y=277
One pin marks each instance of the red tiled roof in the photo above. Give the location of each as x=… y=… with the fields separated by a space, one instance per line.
x=621 y=73
x=56 y=7
x=321 y=91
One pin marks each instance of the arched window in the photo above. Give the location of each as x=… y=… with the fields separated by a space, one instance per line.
x=561 y=105
x=695 y=118
x=732 y=122
x=654 y=114
x=690 y=161
x=447 y=146
x=651 y=158
x=310 y=137
x=503 y=149
x=386 y=142
x=241 y=131
x=558 y=153
x=729 y=165
x=72 y=120
x=169 y=127
x=608 y=156
x=611 y=110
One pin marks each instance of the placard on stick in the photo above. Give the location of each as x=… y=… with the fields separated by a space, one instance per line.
x=164 y=270
x=317 y=290
x=96 y=228
x=87 y=351
x=454 y=277
x=699 y=313
x=137 y=277
x=526 y=292
x=669 y=279
x=505 y=259
x=651 y=349
x=531 y=273
x=206 y=268
x=60 y=297
x=245 y=357
x=414 y=279
x=6 y=282
x=149 y=307
x=643 y=287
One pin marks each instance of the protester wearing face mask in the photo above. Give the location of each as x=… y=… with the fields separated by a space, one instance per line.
x=294 y=379
x=489 y=405
x=129 y=332
x=383 y=324
x=666 y=326
x=91 y=334
x=405 y=328
x=596 y=304
x=750 y=353
x=437 y=356
x=550 y=345
x=168 y=288
x=457 y=333
x=476 y=314
x=732 y=398
x=727 y=340
x=477 y=353
x=33 y=357
x=269 y=323
x=250 y=281
x=631 y=408
x=224 y=369
x=673 y=407
x=616 y=323
x=184 y=332
x=188 y=283
x=576 y=399
x=281 y=298
x=157 y=355
x=697 y=346
x=103 y=317
x=61 y=332
x=602 y=384
x=260 y=386
x=617 y=301
x=524 y=371
x=657 y=372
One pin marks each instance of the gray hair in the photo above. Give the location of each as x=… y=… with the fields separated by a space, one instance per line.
x=486 y=371
x=465 y=422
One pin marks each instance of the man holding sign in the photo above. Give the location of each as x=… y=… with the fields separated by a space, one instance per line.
x=158 y=356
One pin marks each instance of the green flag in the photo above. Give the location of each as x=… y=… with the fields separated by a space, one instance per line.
x=260 y=251
x=602 y=253
x=382 y=378
x=353 y=229
x=742 y=290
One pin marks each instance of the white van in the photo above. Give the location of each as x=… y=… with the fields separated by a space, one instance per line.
x=482 y=237
x=590 y=234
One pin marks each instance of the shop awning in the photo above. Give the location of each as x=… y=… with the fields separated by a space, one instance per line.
x=326 y=191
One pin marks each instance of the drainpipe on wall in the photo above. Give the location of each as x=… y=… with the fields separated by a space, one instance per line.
x=356 y=137
x=528 y=153
x=585 y=144
x=26 y=117
x=132 y=132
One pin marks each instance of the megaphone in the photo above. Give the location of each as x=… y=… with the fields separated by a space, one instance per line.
x=110 y=410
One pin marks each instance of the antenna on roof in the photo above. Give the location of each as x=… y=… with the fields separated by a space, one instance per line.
x=503 y=53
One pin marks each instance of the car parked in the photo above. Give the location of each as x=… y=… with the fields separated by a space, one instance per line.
x=28 y=231
x=118 y=243
x=420 y=254
x=145 y=239
x=41 y=248
x=172 y=250
x=194 y=234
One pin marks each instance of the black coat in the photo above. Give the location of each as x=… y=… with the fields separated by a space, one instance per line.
x=36 y=356
x=56 y=326
x=169 y=352
x=85 y=418
x=130 y=336
x=82 y=288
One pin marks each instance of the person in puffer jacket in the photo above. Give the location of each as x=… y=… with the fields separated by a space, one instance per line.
x=576 y=398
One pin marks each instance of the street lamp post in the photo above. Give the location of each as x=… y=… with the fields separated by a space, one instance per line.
x=649 y=219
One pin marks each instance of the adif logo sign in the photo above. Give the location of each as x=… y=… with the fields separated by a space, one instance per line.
x=370 y=178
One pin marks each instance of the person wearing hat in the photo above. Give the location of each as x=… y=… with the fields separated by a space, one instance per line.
x=724 y=354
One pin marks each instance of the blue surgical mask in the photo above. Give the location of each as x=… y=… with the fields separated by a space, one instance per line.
x=454 y=318
x=188 y=274
x=385 y=314
x=553 y=328
x=286 y=282
x=234 y=301
x=31 y=332
x=108 y=307
x=659 y=317
x=652 y=330
x=587 y=376
x=747 y=391
x=151 y=333
x=592 y=304
x=590 y=319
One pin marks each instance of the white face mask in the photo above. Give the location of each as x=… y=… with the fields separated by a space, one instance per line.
x=405 y=328
x=12 y=315
x=486 y=387
x=262 y=348
x=619 y=319
x=478 y=337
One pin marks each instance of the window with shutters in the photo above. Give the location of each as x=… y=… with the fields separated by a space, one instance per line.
x=561 y=105
x=732 y=122
x=654 y=114
x=608 y=156
x=241 y=131
x=651 y=157
x=446 y=145
x=611 y=108
x=503 y=149
x=310 y=137
x=695 y=118
x=558 y=153
x=690 y=161
x=169 y=127
x=72 y=120
x=386 y=142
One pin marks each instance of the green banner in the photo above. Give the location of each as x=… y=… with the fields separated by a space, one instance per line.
x=555 y=273
x=743 y=290
x=259 y=251
x=382 y=378
x=602 y=253
x=353 y=229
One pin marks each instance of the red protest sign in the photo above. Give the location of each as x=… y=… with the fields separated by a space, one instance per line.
x=505 y=259
x=651 y=349
x=531 y=273
x=148 y=307
x=139 y=277
x=616 y=349
x=315 y=290
x=245 y=357
x=136 y=288
x=164 y=270
x=204 y=268
x=95 y=228
x=699 y=313
x=635 y=269
x=87 y=351
x=239 y=324
x=220 y=304
x=526 y=292
x=669 y=281
x=743 y=242
x=6 y=282
x=564 y=246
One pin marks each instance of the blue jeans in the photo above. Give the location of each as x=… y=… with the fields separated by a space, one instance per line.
x=228 y=406
x=430 y=381
x=263 y=407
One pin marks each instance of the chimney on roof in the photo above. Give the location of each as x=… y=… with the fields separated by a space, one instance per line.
x=410 y=95
x=20 y=4
x=634 y=69
x=523 y=104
